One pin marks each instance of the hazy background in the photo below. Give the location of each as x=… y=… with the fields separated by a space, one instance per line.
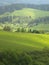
x=4 y=2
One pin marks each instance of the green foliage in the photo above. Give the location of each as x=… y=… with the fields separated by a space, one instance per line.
x=35 y=57
x=35 y=31
x=22 y=30
x=18 y=30
x=7 y=28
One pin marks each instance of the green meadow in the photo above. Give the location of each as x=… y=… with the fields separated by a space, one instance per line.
x=24 y=48
x=23 y=41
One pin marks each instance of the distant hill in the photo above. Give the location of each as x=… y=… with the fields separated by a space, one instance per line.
x=27 y=17
x=13 y=7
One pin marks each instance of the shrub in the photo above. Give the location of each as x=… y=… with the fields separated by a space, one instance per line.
x=7 y=28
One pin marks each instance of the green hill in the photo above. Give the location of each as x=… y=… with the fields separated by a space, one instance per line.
x=34 y=13
x=27 y=17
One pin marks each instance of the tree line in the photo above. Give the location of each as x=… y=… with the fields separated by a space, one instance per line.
x=24 y=19
x=9 y=29
x=39 y=20
x=16 y=19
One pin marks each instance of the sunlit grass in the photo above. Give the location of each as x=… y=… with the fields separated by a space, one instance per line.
x=23 y=41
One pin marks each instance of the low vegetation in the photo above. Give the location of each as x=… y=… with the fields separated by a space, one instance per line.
x=24 y=48
x=30 y=30
x=26 y=58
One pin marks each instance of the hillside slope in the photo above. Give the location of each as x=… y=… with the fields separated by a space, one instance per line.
x=23 y=41
x=24 y=49
x=23 y=14
x=27 y=17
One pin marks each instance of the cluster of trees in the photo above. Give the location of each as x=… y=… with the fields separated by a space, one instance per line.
x=6 y=19
x=16 y=19
x=44 y=20
x=34 y=57
x=36 y=31
x=24 y=19
x=8 y=28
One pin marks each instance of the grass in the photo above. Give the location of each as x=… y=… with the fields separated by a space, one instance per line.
x=23 y=41
x=41 y=27
x=24 y=48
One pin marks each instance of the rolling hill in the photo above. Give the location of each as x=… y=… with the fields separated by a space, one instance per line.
x=27 y=17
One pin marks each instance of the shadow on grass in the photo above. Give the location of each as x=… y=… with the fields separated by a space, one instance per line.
x=35 y=57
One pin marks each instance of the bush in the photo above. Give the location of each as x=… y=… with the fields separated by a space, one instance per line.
x=22 y=30
x=35 y=31
x=7 y=28
x=18 y=30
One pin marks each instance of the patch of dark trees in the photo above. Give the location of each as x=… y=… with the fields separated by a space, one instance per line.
x=43 y=20
x=25 y=19
x=6 y=19
x=9 y=29
x=21 y=19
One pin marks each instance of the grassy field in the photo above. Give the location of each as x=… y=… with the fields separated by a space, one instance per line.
x=24 y=48
x=23 y=41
